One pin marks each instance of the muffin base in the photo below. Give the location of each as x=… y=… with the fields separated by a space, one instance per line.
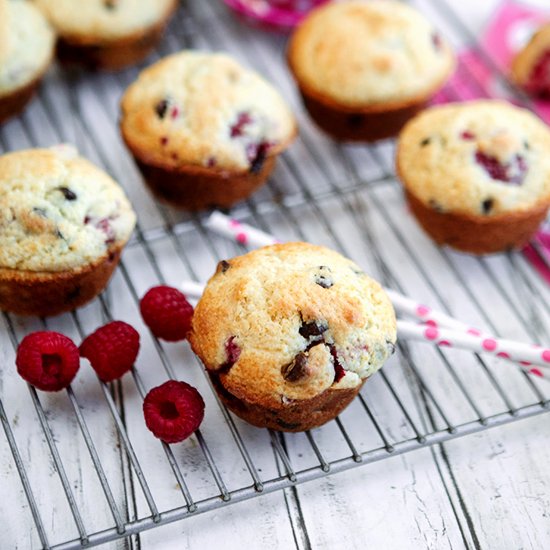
x=111 y=55
x=198 y=188
x=49 y=293
x=475 y=234
x=297 y=416
x=362 y=125
x=13 y=103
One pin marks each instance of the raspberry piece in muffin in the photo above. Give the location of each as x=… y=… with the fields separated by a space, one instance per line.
x=283 y=351
x=173 y=411
x=48 y=360
x=204 y=130
x=476 y=175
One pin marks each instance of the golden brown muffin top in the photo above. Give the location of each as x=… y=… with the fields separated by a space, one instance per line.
x=26 y=45
x=483 y=157
x=96 y=20
x=362 y=54
x=58 y=211
x=204 y=109
x=288 y=321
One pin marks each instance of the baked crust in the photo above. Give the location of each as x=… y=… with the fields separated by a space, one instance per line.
x=13 y=103
x=289 y=333
x=355 y=86
x=475 y=234
x=45 y=294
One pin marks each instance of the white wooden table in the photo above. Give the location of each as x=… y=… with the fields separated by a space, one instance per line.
x=488 y=490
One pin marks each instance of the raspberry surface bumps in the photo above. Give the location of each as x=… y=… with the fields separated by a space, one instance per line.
x=47 y=360
x=112 y=349
x=173 y=411
x=166 y=311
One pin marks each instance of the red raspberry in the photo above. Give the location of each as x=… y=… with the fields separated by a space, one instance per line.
x=167 y=313
x=173 y=411
x=47 y=360
x=112 y=349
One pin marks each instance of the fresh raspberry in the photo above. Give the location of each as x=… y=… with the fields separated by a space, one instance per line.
x=167 y=313
x=173 y=411
x=112 y=349
x=47 y=360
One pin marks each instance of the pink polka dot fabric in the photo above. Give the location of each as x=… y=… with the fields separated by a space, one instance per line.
x=275 y=14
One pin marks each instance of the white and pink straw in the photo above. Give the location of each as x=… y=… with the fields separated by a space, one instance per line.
x=434 y=326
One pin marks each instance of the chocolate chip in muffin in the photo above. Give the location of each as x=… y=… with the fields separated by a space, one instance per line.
x=313 y=330
x=223 y=266
x=323 y=277
x=68 y=194
x=356 y=120
x=110 y=4
x=487 y=205
x=434 y=205
x=426 y=141
x=161 y=108
x=298 y=369
x=40 y=212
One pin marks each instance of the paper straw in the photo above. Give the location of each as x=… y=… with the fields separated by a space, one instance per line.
x=245 y=234
x=524 y=354
x=240 y=232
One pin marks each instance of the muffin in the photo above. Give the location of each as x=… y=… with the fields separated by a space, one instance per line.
x=365 y=68
x=107 y=34
x=26 y=50
x=63 y=225
x=289 y=333
x=204 y=130
x=531 y=65
x=476 y=175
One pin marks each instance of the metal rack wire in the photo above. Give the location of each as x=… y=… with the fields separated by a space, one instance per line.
x=323 y=192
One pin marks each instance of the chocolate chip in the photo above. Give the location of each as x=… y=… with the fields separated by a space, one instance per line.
x=40 y=212
x=434 y=205
x=67 y=193
x=59 y=235
x=313 y=329
x=323 y=278
x=161 y=107
x=223 y=266
x=356 y=120
x=110 y=4
x=297 y=369
x=487 y=205
x=425 y=141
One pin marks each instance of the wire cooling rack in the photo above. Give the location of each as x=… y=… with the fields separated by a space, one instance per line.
x=89 y=444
